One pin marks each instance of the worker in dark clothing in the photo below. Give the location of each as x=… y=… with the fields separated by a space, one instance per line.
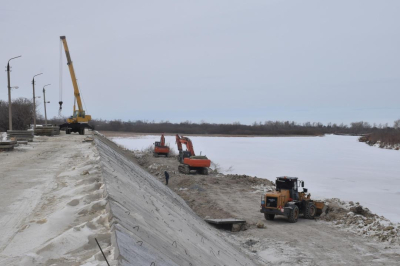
x=166 y=177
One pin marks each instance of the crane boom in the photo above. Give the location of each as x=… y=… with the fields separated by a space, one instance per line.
x=73 y=77
x=79 y=120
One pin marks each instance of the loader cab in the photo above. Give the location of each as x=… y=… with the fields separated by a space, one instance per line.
x=157 y=144
x=288 y=183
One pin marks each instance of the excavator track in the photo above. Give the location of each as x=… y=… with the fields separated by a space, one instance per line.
x=184 y=169
x=203 y=171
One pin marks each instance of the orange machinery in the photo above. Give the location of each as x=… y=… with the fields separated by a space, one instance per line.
x=188 y=159
x=160 y=148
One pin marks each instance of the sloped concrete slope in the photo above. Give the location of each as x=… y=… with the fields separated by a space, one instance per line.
x=151 y=224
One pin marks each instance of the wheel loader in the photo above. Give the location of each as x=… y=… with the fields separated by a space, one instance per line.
x=286 y=200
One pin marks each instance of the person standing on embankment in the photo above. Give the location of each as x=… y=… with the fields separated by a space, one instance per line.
x=166 y=177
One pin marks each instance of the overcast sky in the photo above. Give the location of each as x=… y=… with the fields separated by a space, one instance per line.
x=218 y=61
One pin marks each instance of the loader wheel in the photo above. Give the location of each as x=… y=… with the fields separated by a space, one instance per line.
x=294 y=214
x=269 y=217
x=310 y=212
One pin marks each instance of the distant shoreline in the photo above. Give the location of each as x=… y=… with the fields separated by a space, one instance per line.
x=115 y=134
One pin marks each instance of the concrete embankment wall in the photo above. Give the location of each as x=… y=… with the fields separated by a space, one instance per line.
x=151 y=224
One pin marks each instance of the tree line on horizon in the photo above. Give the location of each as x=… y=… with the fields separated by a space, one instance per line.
x=236 y=128
x=23 y=116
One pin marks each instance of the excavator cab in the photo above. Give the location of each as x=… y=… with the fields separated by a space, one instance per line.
x=183 y=155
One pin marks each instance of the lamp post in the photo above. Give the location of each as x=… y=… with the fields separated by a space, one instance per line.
x=9 y=94
x=34 y=102
x=44 y=100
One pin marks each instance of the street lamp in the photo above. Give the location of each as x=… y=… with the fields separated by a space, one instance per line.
x=9 y=93
x=34 y=102
x=44 y=100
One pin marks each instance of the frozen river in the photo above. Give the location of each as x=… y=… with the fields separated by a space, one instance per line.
x=331 y=166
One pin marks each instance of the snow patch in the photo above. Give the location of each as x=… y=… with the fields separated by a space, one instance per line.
x=3 y=136
x=351 y=216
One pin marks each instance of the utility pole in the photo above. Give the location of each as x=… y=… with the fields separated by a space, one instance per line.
x=9 y=94
x=34 y=102
x=44 y=100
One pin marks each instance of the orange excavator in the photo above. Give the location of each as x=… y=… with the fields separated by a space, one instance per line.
x=160 y=148
x=188 y=159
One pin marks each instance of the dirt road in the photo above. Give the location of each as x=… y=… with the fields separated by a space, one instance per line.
x=307 y=242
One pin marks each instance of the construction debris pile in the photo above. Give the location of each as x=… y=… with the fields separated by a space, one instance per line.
x=7 y=145
x=20 y=135
x=47 y=130
x=360 y=220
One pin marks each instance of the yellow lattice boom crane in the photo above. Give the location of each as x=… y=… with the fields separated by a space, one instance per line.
x=79 y=119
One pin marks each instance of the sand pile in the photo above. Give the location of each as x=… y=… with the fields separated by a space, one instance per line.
x=70 y=212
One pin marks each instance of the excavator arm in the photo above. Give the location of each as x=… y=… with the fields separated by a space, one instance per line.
x=187 y=142
x=178 y=143
x=162 y=140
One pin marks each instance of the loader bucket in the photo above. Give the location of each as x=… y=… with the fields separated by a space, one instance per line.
x=320 y=206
